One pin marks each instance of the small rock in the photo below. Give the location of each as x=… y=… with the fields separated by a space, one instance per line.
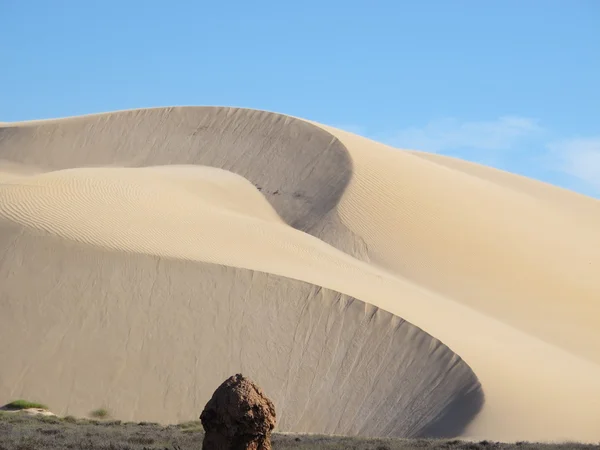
x=239 y=416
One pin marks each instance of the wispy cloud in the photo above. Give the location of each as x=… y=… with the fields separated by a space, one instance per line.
x=579 y=158
x=452 y=134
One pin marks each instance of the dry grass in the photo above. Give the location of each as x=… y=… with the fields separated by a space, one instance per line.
x=22 y=432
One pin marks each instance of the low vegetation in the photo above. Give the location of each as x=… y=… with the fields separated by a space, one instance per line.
x=100 y=413
x=17 y=405
x=23 y=432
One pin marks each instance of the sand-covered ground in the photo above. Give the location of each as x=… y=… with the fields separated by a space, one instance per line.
x=147 y=255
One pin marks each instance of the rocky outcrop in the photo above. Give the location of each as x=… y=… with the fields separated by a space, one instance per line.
x=239 y=416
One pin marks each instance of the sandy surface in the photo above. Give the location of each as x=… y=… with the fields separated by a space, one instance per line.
x=147 y=255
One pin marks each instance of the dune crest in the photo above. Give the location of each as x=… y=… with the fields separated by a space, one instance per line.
x=386 y=287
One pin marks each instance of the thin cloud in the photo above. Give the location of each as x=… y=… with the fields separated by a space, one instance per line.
x=448 y=135
x=579 y=158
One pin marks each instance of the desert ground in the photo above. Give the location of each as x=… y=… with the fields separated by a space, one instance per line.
x=22 y=432
x=146 y=255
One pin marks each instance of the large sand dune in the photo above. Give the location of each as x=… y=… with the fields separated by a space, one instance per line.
x=146 y=255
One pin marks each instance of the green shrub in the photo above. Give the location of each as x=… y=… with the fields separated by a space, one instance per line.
x=23 y=404
x=100 y=413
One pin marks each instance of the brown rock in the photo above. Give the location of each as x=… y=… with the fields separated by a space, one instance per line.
x=239 y=416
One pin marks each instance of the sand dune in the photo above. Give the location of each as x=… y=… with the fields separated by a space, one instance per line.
x=148 y=254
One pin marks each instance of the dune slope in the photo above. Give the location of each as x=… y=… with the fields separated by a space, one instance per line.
x=149 y=339
x=126 y=227
x=300 y=169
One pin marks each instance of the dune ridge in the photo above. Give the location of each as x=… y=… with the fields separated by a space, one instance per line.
x=449 y=247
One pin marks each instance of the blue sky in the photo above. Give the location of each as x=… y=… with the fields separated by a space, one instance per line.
x=508 y=83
